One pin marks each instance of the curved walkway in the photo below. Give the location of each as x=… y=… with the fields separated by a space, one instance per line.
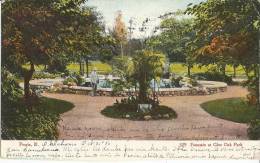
x=86 y=122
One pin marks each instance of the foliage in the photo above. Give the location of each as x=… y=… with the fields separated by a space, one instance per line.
x=120 y=31
x=234 y=109
x=69 y=80
x=123 y=68
x=39 y=124
x=137 y=72
x=181 y=69
x=252 y=84
x=213 y=76
x=133 y=45
x=44 y=75
x=175 y=39
x=227 y=33
x=147 y=65
x=128 y=111
x=172 y=41
x=222 y=38
x=189 y=81
x=58 y=65
x=118 y=86
x=102 y=68
x=79 y=79
x=176 y=81
x=74 y=78
x=254 y=130
x=38 y=32
x=10 y=90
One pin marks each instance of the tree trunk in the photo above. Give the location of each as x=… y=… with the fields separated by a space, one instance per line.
x=189 y=68
x=143 y=89
x=83 y=68
x=257 y=85
x=223 y=69
x=87 y=67
x=235 y=71
x=27 y=77
x=121 y=48
x=258 y=66
x=80 y=68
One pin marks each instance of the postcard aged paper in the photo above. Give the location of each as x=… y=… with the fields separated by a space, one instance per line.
x=130 y=150
x=127 y=80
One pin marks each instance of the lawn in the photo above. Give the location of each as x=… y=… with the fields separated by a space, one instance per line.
x=177 y=68
x=233 y=109
x=181 y=69
x=55 y=106
x=37 y=124
x=102 y=68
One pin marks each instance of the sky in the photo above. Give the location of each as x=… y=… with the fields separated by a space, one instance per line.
x=138 y=10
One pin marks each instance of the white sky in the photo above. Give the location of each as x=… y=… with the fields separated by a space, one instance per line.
x=139 y=10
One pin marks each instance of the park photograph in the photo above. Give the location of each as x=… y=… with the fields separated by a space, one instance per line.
x=130 y=70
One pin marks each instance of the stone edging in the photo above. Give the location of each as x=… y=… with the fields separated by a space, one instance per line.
x=205 y=88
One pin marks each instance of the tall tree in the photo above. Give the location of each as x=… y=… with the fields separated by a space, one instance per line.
x=120 y=32
x=174 y=40
x=35 y=31
x=226 y=29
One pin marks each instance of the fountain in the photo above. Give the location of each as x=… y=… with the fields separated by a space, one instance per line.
x=165 y=87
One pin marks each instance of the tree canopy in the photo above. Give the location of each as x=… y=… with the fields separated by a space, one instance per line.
x=226 y=29
x=37 y=32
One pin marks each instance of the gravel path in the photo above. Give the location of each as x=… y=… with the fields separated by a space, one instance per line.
x=86 y=122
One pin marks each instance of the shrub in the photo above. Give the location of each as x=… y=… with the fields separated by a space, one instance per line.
x=44 y=75
x=254 y=130
x=176 y=81
x=69 y=80
x=79 y=80
x=251 y=84
x=39 y=123
x=10 y=90
x=129 y=110
x=118 y=86
x=213 y=76
x=74 y=78
x=147 y=65
x=58 y=65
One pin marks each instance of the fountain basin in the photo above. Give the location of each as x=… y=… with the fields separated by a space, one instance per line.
x=204 y=88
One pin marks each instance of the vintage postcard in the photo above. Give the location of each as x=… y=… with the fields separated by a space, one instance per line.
x=130 y=79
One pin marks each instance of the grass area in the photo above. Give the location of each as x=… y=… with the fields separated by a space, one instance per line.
x=128 y=111
x=37 y=124
x=180 y=69
x=36 y=67
x=55 y=106
x=233 y=109
x=177 y=68
x=102 y=68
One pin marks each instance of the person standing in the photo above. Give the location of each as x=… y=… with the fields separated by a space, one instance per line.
x=94 y=81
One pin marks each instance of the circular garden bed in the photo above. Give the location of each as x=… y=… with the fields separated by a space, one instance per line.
x=129 y=111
